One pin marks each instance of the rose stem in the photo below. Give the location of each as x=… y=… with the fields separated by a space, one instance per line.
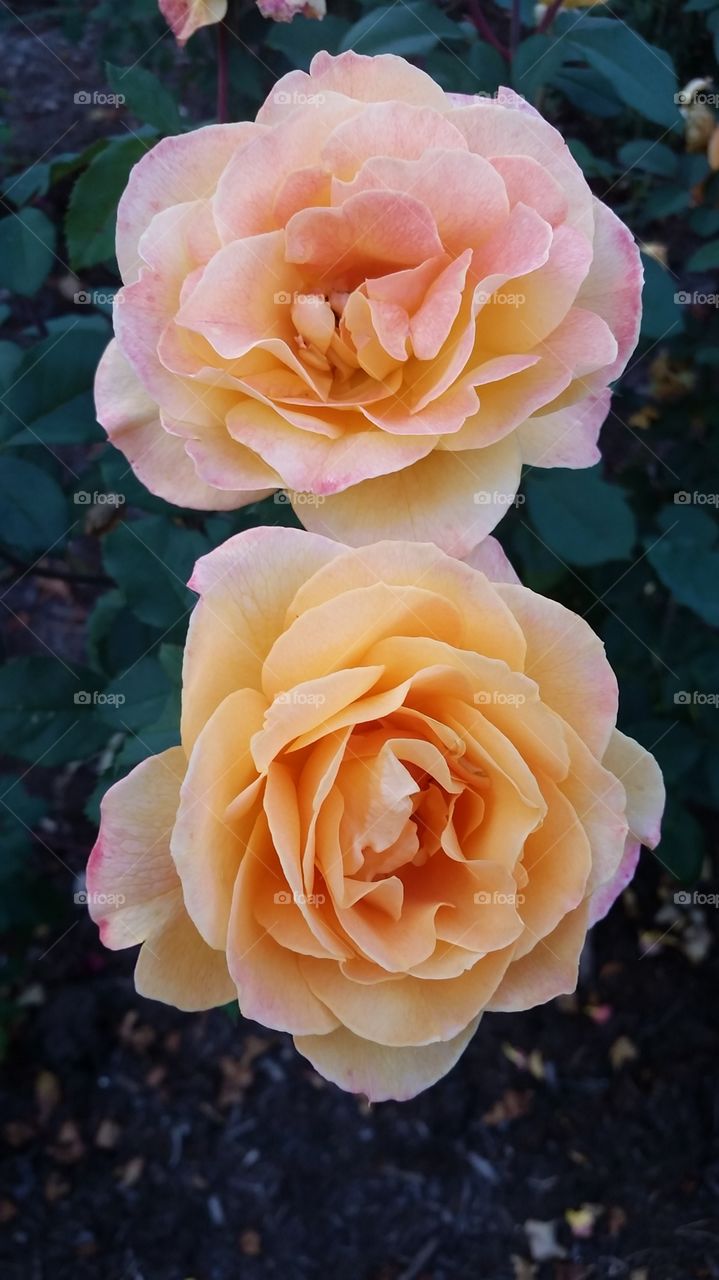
x=484 y=29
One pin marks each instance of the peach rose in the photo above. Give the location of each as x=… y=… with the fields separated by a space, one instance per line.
x=380 y=293
x=400 y=801
x=185 y=17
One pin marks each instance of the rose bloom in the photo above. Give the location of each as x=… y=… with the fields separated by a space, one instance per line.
x=380 y=293
x=185 y=17
x=400 y=801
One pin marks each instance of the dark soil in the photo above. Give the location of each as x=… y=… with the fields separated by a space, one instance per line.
x=144 y=1144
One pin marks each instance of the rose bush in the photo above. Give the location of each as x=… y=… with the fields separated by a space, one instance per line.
x=400 y=801
x=378 y=292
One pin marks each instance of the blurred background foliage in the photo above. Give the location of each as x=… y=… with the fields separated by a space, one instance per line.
x=93 y=567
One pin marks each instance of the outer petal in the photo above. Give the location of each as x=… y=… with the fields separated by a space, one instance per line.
x=613 y=287
x=136 y=896
x=567 y=437
x=550 y=969
x=177 y=967
x=246 y=586
x=159 y=460
x=433 y=501
x=186 y=167
x=569 y=664
x=378 y=1071
x=641 y=776
x=491 y=559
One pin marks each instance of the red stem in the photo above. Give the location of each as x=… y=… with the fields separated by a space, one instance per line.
x=484 y=29
x=222 y=74
x=514 y=29
x=550 y=15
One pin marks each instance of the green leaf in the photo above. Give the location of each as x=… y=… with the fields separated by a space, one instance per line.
x=706 y=258
x=136 y=698
x=151 y=559
x=52 y=396
x=146 y=97
x=536 y=62
x=92 y=212
x=411 y=30
x=27 y=251
x=302 y=38
x=686 y=559
x=661 y=311
x=649 y=157
x=642 y=75
x=47 y=711
x=581 y=517
x=592 y=166
x=682 y=847
x=34 y=514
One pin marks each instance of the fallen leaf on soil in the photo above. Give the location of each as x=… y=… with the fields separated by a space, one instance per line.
x=523 y=1270
x=617 y=1220
x=130 y=1173
x=251 y=1244
x=137 y=1036
x=107 y=1135
x=623 y=1050
x=581 y=1221
x=513 y=1104
x=68 y=1147
x=542 y=1239
x=17 y=1134
x=47 y=1094
x=56 y=1187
